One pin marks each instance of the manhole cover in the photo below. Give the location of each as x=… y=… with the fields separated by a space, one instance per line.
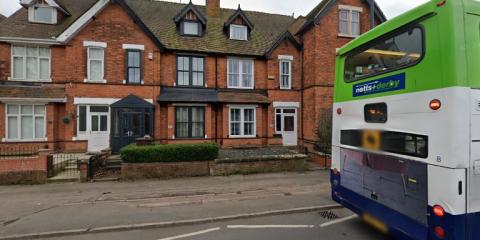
x=328 y=215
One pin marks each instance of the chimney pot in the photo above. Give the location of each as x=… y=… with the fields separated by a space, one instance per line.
x=213 y=8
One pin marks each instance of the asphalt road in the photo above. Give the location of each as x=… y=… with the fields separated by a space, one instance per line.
x=304 y=226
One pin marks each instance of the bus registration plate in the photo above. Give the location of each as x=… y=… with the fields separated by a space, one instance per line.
x=374 y=222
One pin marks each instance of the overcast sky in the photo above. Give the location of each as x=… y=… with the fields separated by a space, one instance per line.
x=299 y=7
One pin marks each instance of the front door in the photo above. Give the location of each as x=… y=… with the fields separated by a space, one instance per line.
x=132 y=127
x=128 y=125
x=289 y=127
x=97 y=127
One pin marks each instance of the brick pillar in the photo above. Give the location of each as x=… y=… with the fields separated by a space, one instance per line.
x=43 y=155
x=83 y=170
x=51 y=122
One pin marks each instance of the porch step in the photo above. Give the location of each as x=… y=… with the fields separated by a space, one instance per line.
x=66 y=176
x=114 y=162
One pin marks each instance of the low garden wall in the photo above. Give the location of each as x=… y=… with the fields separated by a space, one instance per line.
x=284 y=163
x=194 y=160
x=28 y=169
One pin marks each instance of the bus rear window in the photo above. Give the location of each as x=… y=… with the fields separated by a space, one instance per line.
x=401 y=50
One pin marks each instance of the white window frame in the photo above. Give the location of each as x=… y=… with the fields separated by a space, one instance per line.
x=31 y=14
x=242 y=121
x=244 y=28
x=19 y=124
x=241 y=61
x=88 y=118
x=350 y=10
x=282 y=124
x=289 y=75
x=95 y=45
x=24 y=70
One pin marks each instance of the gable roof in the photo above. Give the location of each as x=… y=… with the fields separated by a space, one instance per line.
x=239 y=13
x=314 y=16
x=158 y=18
x=187 y=9
x=17 y=25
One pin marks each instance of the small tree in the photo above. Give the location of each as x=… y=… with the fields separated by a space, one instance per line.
x=324 y=131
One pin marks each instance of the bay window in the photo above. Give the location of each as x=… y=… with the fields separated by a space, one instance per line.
x=31 y=63
x=242 y=121
x=240 y=73
x=190 y=122
x=25 y=122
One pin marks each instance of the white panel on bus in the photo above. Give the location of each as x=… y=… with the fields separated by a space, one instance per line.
x=446 y=187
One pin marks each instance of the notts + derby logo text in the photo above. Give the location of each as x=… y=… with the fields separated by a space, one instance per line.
x=392 y=83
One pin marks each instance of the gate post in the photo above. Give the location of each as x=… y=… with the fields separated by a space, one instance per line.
x=43 y=161
x=83 y=167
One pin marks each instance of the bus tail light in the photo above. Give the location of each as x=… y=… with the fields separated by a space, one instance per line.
x=339 y=111
x=336 y=172
x=438 y=211
x=435 y=104
x=439 y=232
x=441 y=3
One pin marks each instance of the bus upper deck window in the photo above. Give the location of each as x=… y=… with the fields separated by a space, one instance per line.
x=398 y=50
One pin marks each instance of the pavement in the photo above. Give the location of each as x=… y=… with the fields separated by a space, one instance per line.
x=162 y=208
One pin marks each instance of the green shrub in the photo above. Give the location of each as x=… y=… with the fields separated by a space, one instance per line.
x=169 y=153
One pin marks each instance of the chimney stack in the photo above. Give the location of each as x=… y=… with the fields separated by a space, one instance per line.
x=213 y=8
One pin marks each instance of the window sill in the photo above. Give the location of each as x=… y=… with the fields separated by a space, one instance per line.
x=127 y=83
x=24 y=140
x=230 y=87
x=32 y=80
x=347 y=35
x=94 y=81
x=240 y=137
x=285 y=88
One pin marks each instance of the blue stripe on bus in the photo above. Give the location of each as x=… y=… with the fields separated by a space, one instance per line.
x=457 y=227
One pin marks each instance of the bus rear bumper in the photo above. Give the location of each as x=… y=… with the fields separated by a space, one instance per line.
x=399 y=225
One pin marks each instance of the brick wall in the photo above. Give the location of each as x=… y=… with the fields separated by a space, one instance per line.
x=320 y=44
x=24 y=169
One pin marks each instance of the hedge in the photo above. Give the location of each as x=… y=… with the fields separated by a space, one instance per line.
x=169 y=153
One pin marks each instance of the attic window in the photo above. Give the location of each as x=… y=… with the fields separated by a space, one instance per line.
x=238 y=32
x=191 y=28
x=42 y=14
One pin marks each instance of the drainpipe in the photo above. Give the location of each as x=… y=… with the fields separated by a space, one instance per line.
x=216 y=104
x=372 y=13
x=302 y=86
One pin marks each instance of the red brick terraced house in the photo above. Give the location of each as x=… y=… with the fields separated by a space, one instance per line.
x=95 y=74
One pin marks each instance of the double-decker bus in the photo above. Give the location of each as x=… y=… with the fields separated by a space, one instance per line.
x=406 y=125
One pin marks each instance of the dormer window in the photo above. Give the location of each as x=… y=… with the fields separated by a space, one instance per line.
x=42 y=14
x=190 y=21
x=190 y=28
x=238 y=26
x=238 y=32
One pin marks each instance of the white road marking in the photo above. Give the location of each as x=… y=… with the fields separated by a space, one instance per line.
x=191 y=234
x=338 y=221
x=268 y=226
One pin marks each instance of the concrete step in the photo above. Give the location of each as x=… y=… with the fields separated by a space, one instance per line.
x=114 y=162
x=64 y=177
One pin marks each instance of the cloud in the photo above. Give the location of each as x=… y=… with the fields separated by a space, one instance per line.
x=299 y=7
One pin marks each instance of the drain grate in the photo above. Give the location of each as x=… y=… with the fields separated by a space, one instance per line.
x=328 y=215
